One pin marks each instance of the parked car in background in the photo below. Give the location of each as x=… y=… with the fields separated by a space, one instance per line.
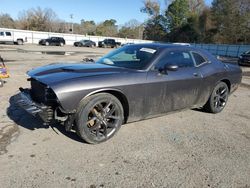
x=132 y=83
x=53 y=41
x=244 y=59
x=109 y=43
x=85 y=43
x=8 y=37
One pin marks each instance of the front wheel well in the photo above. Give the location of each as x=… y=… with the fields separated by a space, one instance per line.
x=228 y=83
x=122 y=98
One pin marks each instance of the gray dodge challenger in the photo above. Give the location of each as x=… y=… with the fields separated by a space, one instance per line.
x=129 y=84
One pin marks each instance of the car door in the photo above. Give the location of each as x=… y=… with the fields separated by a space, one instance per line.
x=2 y=37
x=53 y=41
x=173 y=90
x=207 y=70
x=8 y=36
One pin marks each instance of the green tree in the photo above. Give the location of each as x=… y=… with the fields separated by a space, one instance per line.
x=155 y=29
x=177 y=13
x=88 y=27
x=231 y=19
x=156 y=25
x=107 y=28
x=188 y=32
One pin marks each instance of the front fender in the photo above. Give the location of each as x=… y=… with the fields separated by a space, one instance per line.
x=70 y=101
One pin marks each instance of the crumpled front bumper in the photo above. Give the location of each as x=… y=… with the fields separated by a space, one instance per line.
x=25 y=101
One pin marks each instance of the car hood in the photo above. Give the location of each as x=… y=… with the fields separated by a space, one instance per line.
x=61 y=72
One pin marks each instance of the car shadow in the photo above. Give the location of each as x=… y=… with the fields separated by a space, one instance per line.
x=200 y=110
x=26 y=120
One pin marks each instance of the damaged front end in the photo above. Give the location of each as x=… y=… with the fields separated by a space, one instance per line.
x=41 y=101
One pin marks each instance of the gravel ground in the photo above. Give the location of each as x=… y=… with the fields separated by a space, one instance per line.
x=185 y=149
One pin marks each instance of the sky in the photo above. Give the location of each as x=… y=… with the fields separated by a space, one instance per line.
x=97 y=10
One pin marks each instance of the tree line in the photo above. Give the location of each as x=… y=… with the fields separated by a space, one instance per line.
x=38 y=19
x=225 y=21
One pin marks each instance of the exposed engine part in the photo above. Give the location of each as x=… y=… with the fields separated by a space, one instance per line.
x=69 y=122
x=59 y=116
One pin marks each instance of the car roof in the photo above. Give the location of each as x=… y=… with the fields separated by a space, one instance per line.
x=170 y=46
x=164 y=46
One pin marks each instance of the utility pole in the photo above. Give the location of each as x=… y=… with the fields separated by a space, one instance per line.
x=72 y=25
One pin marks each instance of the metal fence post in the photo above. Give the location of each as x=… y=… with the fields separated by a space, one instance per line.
x=227 y=50
x=32 y=37
x=217 y=49
x=238 y=50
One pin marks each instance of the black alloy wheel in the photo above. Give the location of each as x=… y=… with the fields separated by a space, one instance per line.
x=218 y=98
x=99 y=118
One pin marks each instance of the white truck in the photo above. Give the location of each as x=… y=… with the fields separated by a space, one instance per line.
x=10 y=37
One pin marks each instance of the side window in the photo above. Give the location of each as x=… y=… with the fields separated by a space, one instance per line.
x=198 y=59
x=180 y=58
x=8 y=33
x=1 y=34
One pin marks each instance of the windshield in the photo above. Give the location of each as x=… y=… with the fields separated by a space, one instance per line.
x=132 y=57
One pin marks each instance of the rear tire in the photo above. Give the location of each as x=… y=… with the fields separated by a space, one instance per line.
x=19 y=42
x=99 y=117
x=61 y=44
x=218 y=99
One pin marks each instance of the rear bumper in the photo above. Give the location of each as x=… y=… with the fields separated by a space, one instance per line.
x=25 y=101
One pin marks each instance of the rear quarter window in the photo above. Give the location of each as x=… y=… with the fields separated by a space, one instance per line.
x=198 y=59
x=8 y=33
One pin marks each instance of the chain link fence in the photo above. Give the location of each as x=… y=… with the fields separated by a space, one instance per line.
x=224 y=49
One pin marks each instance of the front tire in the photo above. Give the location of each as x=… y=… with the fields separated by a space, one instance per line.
x=218 y=99
x=99 y=117
x=47 y=43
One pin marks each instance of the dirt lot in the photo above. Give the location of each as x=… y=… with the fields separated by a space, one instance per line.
x=185 y=149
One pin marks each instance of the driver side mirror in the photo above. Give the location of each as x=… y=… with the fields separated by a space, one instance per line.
x=171 y=67
x=168 y=68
